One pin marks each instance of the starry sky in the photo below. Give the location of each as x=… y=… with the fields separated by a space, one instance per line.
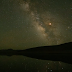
x=31 y=23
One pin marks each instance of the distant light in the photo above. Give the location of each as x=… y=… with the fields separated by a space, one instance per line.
x=48 y=63
x=46 y=66
x=50 y=70
x=62 y=68
x=49 y=23
x=22 y=63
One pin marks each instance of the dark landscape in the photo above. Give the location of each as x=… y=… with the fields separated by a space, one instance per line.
x=61 y=52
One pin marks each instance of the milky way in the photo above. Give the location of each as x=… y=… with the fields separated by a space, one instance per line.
x=49 y=34
x=30 y=23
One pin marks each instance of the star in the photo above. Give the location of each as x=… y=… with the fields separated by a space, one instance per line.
x=68 y=27
x=62 y=68
x=50 y=24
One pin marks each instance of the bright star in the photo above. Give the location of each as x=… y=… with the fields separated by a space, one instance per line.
x=49 y=23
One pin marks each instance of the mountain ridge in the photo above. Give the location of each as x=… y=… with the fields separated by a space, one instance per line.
x=62 y=52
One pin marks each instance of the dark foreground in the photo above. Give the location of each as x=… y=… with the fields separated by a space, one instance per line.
x=61 y=52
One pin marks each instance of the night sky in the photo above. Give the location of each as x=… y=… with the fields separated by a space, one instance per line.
x=31 y=23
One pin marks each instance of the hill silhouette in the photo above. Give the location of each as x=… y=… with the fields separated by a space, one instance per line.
x=61 y=52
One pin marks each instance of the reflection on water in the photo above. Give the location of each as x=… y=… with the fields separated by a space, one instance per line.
x=26 y=64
